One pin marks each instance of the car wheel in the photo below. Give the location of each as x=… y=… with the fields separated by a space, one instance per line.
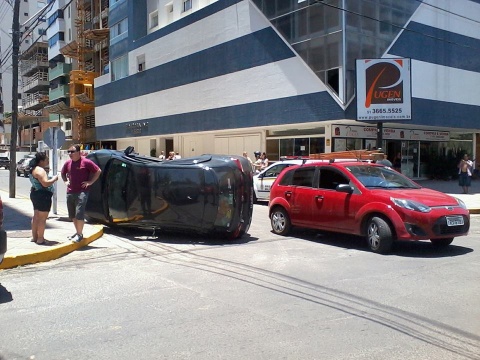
x=379 y=235
x=441 y=242
x=18 y=173
x=280 y=221
x=25 y=174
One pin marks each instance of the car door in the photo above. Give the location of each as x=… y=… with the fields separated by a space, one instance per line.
x=265 y=180
x=303 y=196
x=332 y=209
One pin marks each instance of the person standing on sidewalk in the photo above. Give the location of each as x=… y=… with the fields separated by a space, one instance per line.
x=79 y=173
x=465 y=170
x=40 y=195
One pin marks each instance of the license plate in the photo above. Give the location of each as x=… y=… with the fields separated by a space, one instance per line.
x=454 y=220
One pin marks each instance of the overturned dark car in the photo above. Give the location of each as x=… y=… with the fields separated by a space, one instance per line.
x=208 y=194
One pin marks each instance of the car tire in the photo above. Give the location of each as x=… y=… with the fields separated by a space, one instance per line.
x=255 y=200
x=18 y=173
x=280 y=221
x=439 y=243
x=379 y=235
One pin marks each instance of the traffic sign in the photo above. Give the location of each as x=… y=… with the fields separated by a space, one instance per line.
x=52 y=134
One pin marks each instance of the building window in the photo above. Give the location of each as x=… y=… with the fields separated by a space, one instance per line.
x=187 y=5
x=55 y=38
x=119 y=31
x=153 y=20
x=119 y=68
x=141 y=63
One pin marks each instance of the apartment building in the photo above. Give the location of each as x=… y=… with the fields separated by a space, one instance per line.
x=199 y=76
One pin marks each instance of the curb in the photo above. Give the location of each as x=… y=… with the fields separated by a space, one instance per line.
x=474 y=211
x=52 y=253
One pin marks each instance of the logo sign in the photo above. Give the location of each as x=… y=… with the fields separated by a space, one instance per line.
x=384 y=89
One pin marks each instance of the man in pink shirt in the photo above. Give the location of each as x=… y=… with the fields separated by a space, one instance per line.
x=79 y=174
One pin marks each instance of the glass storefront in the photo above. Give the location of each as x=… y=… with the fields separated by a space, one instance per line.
x=321 y=31
x=297 y=146
x=419 y=159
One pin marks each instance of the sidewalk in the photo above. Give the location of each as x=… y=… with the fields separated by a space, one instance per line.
x=21 y=251
x=451 y=187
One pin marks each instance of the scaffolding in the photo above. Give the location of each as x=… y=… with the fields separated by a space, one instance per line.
x=82 y=79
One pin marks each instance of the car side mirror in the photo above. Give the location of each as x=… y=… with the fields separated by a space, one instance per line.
x=344 y=188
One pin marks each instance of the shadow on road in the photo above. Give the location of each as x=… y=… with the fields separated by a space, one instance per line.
x=171 y=237
x=413 y=249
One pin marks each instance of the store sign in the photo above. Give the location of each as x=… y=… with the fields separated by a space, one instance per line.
x=370 y=132
x=137 y=128
x=384 y=89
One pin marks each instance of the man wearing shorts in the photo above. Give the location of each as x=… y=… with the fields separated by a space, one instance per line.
x=465 y=170
x=79 y=174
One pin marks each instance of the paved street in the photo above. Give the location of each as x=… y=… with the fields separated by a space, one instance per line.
x=136 y=295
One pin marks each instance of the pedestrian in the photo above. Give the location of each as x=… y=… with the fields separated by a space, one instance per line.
x=257 y=165
x=465 y=170
x=40 y=195
x=245 y=155
x=162 y=155
x=264 y=163
x=177 y=156
x=383 y=160
x=79 y=173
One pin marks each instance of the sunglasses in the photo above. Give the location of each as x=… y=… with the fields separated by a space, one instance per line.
x=71 y=151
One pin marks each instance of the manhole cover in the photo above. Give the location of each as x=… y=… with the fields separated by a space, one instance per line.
x=19 y=234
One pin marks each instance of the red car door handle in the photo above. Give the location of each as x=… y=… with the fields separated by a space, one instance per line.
x=319 y=198
x=288 y=194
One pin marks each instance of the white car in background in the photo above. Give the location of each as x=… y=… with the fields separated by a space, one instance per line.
x=263 y=181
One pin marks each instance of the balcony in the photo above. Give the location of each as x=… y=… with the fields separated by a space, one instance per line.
x=62 y=91
x=61 y=69
x=31 y=65
x=36 y=82
x=35 y=101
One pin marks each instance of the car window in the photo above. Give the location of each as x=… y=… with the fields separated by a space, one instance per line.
x=226 y=198
x=275 y=170
x=331 y=178
x=303 y=176
x=381 y=177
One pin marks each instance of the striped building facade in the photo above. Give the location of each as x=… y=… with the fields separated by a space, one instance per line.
x=199 y=76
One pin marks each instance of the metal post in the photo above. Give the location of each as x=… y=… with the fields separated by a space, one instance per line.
x=379 y=135
x=13 y=141
x=54 y=166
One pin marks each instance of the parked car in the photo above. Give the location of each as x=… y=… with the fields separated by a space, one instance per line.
x=263 y=181
x=23 y=167
x=204 y=194
x=364 y=199
x=4 y=162
x=3 y=234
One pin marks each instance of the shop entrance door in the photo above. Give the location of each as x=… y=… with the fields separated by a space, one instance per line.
x=410 y=158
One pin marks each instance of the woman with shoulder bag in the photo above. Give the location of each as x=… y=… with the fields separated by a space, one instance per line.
x=40 y=195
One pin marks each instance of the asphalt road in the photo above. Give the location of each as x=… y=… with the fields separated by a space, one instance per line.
x=136 y=295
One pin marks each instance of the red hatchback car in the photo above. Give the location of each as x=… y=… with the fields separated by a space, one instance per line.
x=364 y=199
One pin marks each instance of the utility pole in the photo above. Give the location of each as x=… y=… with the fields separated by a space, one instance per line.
x=15 y=51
